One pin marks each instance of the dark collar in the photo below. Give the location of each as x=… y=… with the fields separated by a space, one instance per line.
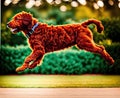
x=32 y=30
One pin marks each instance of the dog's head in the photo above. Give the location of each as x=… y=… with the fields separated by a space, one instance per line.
x=20 y=22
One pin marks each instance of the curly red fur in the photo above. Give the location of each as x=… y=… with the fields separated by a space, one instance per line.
x=51 y=38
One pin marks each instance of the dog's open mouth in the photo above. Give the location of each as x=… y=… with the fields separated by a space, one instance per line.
x=14 y=30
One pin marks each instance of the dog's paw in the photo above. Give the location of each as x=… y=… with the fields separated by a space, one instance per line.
x=32 y=65
x=111 y=62
x=31 y=62
x=21 y=68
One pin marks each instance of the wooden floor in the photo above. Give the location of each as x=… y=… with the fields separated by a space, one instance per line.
x=59 y=92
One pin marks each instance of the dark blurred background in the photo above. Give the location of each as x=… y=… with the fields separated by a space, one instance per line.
x=14 y=48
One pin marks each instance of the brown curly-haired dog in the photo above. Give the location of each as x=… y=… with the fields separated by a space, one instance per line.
x=43 y=38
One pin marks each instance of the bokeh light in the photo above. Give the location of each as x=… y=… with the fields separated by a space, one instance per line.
x=15 y=1
x=111 y=2
x=100 y=3
x=7 y=2
x=63 y=8
x=50 y=1
x=58 y=1
x=95 y=5
x=38 y=3
x=74 y=4
x=30 y=4
x=83 y=2
x=119 y=4
x=66 y=0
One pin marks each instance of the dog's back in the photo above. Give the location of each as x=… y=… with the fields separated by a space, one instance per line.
x=59 y=37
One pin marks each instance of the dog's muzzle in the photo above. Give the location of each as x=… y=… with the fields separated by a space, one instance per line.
x=12 y=29
x=7 y=25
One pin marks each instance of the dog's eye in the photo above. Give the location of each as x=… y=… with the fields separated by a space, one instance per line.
x=16 y=19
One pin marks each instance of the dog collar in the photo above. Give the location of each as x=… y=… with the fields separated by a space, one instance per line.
x=32 y=30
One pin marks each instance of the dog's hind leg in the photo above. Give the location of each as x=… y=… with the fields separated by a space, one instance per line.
x=85 y=42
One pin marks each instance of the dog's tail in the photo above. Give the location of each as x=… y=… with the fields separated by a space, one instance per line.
x=99 y=25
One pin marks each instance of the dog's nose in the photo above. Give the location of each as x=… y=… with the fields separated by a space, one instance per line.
x=7 y=25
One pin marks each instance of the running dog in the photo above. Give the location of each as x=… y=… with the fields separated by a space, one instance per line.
x=43 y=38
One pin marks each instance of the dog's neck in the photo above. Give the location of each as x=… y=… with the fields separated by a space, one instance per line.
x=29 y=27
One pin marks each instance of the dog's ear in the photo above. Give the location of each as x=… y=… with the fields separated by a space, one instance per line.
x=27 y=18
x=26 y=22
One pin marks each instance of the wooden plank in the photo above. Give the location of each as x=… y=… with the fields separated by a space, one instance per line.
x=59 y=92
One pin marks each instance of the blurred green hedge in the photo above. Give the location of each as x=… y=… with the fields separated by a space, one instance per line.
x=114 y=51
x=12 y=57
x=70 y=61
x=112 y=28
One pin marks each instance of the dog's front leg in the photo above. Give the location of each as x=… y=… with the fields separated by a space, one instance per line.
x=36 y=62
x=38 y=57
x=31 y=60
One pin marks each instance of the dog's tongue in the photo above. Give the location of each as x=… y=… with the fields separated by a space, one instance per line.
x=13 y=29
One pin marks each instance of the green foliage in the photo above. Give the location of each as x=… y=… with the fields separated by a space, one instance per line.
x=112 y=29
x=97 y=37
x=49 y=22
x=114 y=51
x=70 y=61
x=59 y=16
x=12 y=57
